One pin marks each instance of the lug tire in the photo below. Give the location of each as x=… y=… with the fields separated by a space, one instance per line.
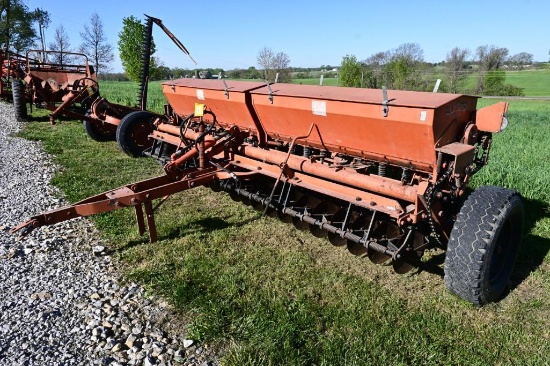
x=132 y=132
x=18 y=94
x=484 y=245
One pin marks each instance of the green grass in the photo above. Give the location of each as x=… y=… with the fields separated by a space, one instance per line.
x=268 y=294
x=535 y=82
x=125 y=93
x=315 y=81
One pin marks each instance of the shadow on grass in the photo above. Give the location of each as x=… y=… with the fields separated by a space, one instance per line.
x=534 y=248
x=43 y=115
x=532 y=252
x=203 y=225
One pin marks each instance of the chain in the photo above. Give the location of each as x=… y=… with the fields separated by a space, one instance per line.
x=430 y=193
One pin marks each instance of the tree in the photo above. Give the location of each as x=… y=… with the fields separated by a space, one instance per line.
x=274 y=63
x=43 y=19
x=409 y=53
x=375 y=64
x=158 y=71
x=350 y=72
x=130 y=47
x=455 y=67
x=520 y=60
x=235 y=74
x=489 y=58
x=396 y=69
x=252 y=73
x=16 y=25
x=95 y=45
x=62 y=45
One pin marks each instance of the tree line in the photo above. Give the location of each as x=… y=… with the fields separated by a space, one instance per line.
x=401 y=68
x=404 y=68
x=22 y=28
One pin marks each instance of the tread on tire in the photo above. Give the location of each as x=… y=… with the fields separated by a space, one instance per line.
x=484 y=245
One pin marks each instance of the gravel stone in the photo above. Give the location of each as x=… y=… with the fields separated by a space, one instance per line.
x=63 y=301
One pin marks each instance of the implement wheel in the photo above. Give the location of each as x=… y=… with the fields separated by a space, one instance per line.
x=100 y=131
x=484 y=245
x=18 y=94
x=133 y=131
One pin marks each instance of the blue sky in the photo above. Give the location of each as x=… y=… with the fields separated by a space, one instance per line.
x=229 y=34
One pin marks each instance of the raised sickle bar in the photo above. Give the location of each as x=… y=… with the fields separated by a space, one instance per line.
x=133 y=194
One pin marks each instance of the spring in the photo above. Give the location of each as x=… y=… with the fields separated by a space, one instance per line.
x=406 y=175
x=382 y=169
x=307 y=152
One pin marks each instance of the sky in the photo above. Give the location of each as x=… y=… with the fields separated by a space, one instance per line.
x=230 y=34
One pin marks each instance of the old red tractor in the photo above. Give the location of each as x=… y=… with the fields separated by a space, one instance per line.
x=381 y=172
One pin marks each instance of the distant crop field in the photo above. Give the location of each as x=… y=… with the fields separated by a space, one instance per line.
x=535 y=83
x=315 y=81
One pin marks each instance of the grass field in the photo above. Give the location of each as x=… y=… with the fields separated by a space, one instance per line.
x=268 y=294
x=535 y=83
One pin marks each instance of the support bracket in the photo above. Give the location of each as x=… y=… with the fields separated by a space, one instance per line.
x=385 y=106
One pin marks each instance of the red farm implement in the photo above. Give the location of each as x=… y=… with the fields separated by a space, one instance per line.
x=71 y=89
x=380 y=172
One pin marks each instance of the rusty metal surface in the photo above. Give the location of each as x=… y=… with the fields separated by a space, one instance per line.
x=216 y=84
x=406 y=136
x=229 y=104
x=131 y=195
x=359 y=197
x=490 y=118
x=361 y=95
x=372 y=183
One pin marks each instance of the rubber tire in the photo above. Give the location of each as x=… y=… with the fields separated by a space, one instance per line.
x=18 y=94
x=126 y=131
x=100 y=133
x=484 y=245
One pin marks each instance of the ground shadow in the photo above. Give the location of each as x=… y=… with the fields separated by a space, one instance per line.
x=532 y=252
x=534 y=248
x=203 y=225
x=46 y=118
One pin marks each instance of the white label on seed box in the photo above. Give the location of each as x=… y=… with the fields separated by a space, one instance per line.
x=423 y=115
x=319 y=107
x=200 y=94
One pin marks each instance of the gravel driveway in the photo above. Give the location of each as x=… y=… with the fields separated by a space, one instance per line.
x=62 y=302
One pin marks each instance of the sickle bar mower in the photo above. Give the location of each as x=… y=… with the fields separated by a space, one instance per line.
x=379 y=172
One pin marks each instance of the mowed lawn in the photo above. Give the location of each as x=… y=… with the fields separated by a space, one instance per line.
x=268 y=294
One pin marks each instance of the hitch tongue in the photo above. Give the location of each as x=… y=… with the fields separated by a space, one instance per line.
x=26 y=227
